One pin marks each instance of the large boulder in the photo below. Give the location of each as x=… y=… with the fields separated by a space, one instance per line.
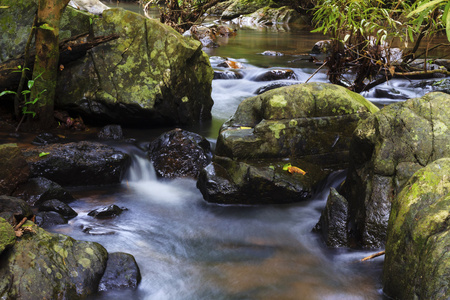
x=417 y=262
x=308 y=125
x=150 y=75
x=387 y=148
x=83 y=163
x=14 y=169
x=270 y=16
x=42 y=265
x=14 y=209
x=179 y=153
x=122 y=272
x=243 y=7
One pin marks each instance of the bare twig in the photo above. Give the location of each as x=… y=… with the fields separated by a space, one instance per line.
x=373 y=255
x=316 y=71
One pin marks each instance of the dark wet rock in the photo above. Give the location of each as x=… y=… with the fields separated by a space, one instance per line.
x=277 y=74
x=390 y=94
x=7 y=235
x=39 y=189
x=227 y=181
x=321 y=47
x=333 y=220
x=14 y=169
x=272 y=53
x=272 y=86
x=433 y=85
x=122 y=272
x=219 y=8
x=443 y=62
x=59 y=207
x=83 y=163
x=231 y=64
x=47 y=219
x=46 y=138
x=42 y=265
x=179 y=153
x=268 y=16
x=111 y=132
x=96 y=230
x=227 y=74
x=106 y=212
x=386 y=150
x=15 y=207
x=307 y=125
x=417 y=260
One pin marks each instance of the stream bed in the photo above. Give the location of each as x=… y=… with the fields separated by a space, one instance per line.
x=189 y=249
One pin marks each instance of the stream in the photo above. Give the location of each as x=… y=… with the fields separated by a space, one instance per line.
x=187 y=248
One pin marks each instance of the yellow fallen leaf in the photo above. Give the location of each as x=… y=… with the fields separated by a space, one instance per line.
x=245 y=127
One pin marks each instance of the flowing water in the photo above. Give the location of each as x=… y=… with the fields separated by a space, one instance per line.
x=187 y=248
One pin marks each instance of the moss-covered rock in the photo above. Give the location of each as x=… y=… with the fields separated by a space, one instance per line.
x=14 y=169
x=7 y=235
x=16 y=21
x=149 y=75
x=271 y=16
x=417 y=262
x=387 y=148
x=42 y=265
x=244 y=7
x=307 y=125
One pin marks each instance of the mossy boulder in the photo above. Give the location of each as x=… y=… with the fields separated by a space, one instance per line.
x=387 y=148
x=417 y=262
x=308 y=125
x=244 y=7
x=150 y=75
x=14 y=169
x=16 y=21
x=7 y=235
x=42 y=265
x=271 y=16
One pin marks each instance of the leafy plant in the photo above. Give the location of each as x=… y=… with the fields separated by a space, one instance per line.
x=25 y=93
x=425 y=9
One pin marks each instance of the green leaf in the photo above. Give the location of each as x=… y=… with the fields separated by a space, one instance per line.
x=46 y=27
x=30 y=84
x=286 y=166
x=4 y=6
x=6 y=93
x=446 y=18
x=42 y=154
x=423 y=7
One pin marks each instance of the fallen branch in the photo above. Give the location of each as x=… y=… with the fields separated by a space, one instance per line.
x=421 y=74
x=20 y=224
x=316 y=71
x=373 y=255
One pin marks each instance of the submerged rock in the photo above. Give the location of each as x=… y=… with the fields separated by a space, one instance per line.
x=179 y=153
x=387 y=148
x=227 y=74
x=106 y=212
x=37 y=190
x=47 y=219
x=272 y=86
x=122 y=272
x=83 y=163
x=14 y=169
x=307 y=125
x=46 y=138
x=417 y=261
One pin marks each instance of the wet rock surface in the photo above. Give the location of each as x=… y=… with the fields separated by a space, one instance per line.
x=387 y=148
x=14 y=208
x=7 y=235
x=417 y=260
x=111 y=132
x=122 y=272
x=59 y=207
x=107 y=212
x=37 y=190
x=308 y=125
x=83 y=163
x=14 y=169
x=277 y=74
x=47 y=138
x=227 y=74
x=48 y=219
x=179 y=153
